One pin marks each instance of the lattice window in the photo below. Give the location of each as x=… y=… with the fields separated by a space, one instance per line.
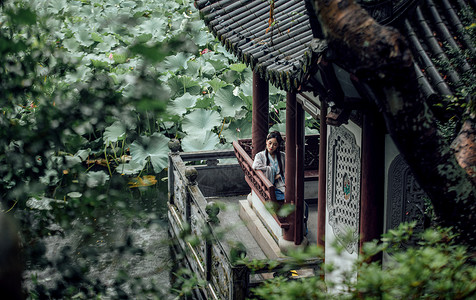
x=406 y=199
x=343 y=187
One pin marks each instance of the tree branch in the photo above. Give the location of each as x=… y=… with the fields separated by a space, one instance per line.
x=378 y=55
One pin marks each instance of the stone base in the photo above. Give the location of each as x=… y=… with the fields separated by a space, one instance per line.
x=264 y=239
x=272 y=249
x=286 y=246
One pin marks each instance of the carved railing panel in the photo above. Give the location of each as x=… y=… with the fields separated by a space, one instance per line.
x=220 y=271
x=197 y=227
x=258 y=181
x=311 y=156
x=208 y=259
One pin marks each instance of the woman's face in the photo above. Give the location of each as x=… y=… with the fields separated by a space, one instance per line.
x=271 y=145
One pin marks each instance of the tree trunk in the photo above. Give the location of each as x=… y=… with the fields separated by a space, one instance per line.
x=379 y=56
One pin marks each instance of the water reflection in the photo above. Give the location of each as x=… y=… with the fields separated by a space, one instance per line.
x=117 y=251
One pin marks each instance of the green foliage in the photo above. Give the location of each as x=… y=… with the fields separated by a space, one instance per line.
x=436 y=268
x=90 y=94
x=456 y=108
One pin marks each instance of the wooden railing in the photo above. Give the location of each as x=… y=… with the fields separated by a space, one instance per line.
x=209 y=258
x=258 y=181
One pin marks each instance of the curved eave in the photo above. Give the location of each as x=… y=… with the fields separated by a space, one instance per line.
x=279 y=53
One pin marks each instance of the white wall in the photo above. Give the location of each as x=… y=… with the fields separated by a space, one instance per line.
x=344 y=260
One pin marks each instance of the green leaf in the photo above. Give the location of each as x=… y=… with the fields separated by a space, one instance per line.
x=200 y=120
x=55 y=6
x=144 y=38
x=281 y=127
x=216 y=83
x=200 y=142
x=83 y=154
x=71 y=44
x=237 y=129
x=155 y=27
x=229 y=103
x=130 y=168
x=94 y=179
x=225 y=52
x=114 y=133
x=182 y=104
x=247 y=87
x=155 y=53
x=82 y=74
x=96 y=37
x=200 y=68
x=41 y=204
x=180 y=85
x=23 y=16
x=205 y=102
x=84 y=38
x=238 y=67
x=74 y=194
x=219 y=62
x=202 y=38
x=177 y=62
x=286 y=210
x=231 y=77
x=99 y=64
x=130 y=4
x=154 y=147
x=119 y=58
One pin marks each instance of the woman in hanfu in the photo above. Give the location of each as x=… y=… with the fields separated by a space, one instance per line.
x=271 y=162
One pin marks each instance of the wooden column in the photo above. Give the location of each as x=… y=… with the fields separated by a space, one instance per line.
x=373 y=171
x=299 y=194
x=260 y=113
x=321 y=198
x=290 y=171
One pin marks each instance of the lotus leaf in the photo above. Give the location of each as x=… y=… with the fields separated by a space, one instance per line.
x=229 y=103
x=153 y=147
x=177 y=62
x=200 y=121
x=238 y=129
x=96 y=178
x=182 y=104
x=179 y=85
x=114 y=133
x=238 y=67
x=216 y=83
x=206 y=140
x=42 y=204
x=130 y=168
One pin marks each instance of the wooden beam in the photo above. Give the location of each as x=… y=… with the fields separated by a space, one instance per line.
x=260 y=114
x=321 y=198
x=373 y=172
x=299 y=192
x=290 y=172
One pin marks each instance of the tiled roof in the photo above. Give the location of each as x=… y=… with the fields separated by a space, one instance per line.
x=280 y=52
x=436 y=35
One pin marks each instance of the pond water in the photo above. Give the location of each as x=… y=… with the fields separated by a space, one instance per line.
x=124 y=256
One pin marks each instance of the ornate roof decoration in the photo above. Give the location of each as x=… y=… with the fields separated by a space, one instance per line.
x=277 y=45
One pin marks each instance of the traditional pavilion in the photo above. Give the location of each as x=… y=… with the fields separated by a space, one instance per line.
x=364 y=186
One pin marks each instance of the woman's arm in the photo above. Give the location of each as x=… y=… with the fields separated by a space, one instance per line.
x=260 y=164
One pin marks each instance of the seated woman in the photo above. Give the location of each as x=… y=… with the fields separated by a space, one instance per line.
x=271 y=162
